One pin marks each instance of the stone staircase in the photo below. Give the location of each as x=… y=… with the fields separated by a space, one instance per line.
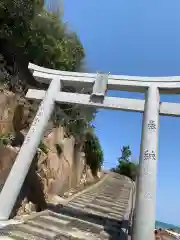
x=99 y=212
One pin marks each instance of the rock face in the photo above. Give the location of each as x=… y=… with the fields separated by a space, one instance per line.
x=58 y=171
x=8 y=155
x=14 y=112
x=54 y=171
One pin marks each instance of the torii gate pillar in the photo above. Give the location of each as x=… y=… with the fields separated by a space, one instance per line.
x=146 y=190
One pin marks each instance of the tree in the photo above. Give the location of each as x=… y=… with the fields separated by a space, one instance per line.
x=52 y=46
x=125 y=166
x=93 y=152
x=40 y=36
x=16 y=18
x=44 y=40
x=125 y=153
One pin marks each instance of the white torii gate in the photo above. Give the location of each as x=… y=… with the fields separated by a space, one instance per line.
x=99 y=83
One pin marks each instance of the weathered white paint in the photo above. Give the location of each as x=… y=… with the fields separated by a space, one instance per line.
x=124 y=104
x=24 y=159
x=169 y=84
x=87 y=82
x=145 y=213
x=37 y=68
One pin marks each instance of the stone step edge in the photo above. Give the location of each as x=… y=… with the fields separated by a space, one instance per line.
x=96 y=184
x=70 y=218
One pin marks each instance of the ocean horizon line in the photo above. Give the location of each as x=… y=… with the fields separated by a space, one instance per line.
x=164 y=225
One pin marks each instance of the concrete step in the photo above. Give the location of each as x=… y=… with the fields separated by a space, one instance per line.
x=83 y=199
x=106 y=199
x=81 y=216
x=61 y=219
x=86 y=197
x=74 y=204
x=81 y=202
x=102 y=209
x=35 y=231
x=109 y=205
x=20 y=235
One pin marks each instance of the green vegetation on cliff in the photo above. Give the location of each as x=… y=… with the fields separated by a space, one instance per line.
x=31 y=33
x=40 y=35
x=93 y=152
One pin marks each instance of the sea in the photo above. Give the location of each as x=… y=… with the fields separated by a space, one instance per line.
x=166 y=225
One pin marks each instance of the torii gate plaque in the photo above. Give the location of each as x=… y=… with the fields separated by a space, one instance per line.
x=152 y=86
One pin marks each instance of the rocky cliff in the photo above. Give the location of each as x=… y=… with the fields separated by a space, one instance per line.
x=54 y=171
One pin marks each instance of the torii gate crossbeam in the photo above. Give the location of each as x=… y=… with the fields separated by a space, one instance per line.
x=151 y=108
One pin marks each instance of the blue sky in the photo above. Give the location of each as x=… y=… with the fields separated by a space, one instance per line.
x=134 y=38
